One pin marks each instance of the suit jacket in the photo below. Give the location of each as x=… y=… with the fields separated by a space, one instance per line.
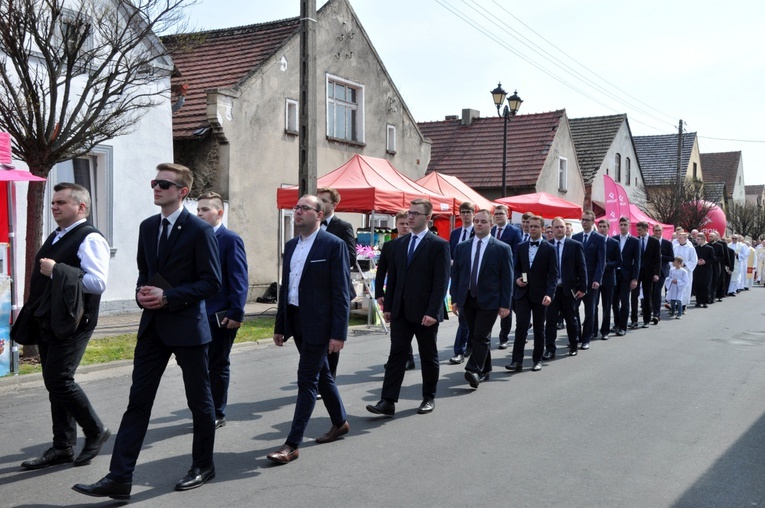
x=422 y=284
x=650 y=260
x=344 y=231
x=573 y=272
x=630 y=266
x=323 y=292
x=511 y=235
x=495 y=277
x=594 y=255
x=382 y=268
x=613 y=262
x=667 y=256
x=542 y=276
x=191 y=265
x=456 y=237
x=234 y=281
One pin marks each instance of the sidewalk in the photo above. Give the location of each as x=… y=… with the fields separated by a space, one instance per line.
x=117 y=324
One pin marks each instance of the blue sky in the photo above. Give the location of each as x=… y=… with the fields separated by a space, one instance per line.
x=657 y=61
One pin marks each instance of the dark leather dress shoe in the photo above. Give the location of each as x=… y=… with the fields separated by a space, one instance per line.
x=284 y=455
x=50 y=457
x=516 y=366
x=92 y=447
x=548 y=356
x=196 y=477
x=334 y=433
x=621 y=333
x=472 y=378
x=537 y=367
x=484 y=377
x=457 y=359
x=644 y=325
x=383 y=407
x=503 y=345
x=220 y=422
x=573 y=352
x=409 y=364
x=427 y=406
x=105 y=487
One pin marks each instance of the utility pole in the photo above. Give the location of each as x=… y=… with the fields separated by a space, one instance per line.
x=307 y=170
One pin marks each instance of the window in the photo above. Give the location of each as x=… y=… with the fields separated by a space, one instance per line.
x=391 y=139
x=291 y=116
x=695 y=172
x=627 y=170
x=618 y=168
x=94 y=172
x=562 y=174
x=345 y=110
x=74 y=33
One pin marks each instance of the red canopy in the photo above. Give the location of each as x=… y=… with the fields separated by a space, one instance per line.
x=370 y=184
x=543 y=204
x=453 y=186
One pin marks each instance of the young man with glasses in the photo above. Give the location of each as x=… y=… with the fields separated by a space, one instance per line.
x=595 y=257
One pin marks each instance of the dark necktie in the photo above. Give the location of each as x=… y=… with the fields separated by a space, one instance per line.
x=411 y=250
x=526 y=238
x=557 y=256
x=499 y=232
x=474 y=271
x=535 y=244
x=642 y=244
x=163 y=238
x=585 y=239
x=464 y=234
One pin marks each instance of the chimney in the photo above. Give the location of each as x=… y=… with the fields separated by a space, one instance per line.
x=468 y=115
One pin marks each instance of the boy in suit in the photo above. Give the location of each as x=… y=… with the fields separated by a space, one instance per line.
x=594 y=246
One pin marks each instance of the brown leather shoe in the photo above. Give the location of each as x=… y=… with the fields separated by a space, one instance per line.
x=333 y=433
x=284 y=455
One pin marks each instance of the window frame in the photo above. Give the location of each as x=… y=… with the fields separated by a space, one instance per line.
x=618 y=167
x=627 y=171
x=291 y=112
x=358 y=107
x=390 y=139
x=562 y=174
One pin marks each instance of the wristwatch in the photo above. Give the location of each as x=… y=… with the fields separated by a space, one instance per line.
x=164 y=300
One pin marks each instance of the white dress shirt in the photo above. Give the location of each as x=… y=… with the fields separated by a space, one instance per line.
x=94 y=258
x=297 y=263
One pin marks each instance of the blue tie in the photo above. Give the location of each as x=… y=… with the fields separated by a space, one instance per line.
x=411 y=250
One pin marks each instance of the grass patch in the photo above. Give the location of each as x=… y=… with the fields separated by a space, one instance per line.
x=121 y=347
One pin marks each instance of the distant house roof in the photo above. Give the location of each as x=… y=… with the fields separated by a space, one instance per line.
x=721 y=167
x=658 y=157
x=714 y=191
x=473 y=153
x=220 y=59
x=754 y=190
x=593 y=136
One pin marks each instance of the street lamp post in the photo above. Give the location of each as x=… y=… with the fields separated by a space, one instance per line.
x=511 y=108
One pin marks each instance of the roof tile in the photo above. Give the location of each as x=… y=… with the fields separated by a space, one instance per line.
x=721 y=167
x=658 y=156
x=593 y=137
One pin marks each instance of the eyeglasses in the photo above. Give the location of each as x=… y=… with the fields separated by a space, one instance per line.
x=165 y=184
x=304 y=208
x=585 y=219
x=410 y=213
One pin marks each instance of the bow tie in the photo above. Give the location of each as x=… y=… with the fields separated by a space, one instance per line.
x=323 y=223
x=536 y=244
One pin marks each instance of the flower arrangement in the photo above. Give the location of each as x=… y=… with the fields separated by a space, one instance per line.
x=365 y=252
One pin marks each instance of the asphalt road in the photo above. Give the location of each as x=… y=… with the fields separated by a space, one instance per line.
x=672 y=416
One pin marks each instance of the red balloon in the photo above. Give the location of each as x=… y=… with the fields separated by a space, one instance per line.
x=714 y=221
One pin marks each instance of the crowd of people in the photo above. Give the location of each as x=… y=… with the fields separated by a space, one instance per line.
x=192 y=287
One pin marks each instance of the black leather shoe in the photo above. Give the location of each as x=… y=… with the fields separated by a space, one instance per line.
x=603 y=336
x=92 y=447
x=644 y=325
x=548 y=356
x=655 y=320
x=468 y=351
x=105 y=487
x=573 y=352
x=586 y=346
x=633 y=326
x=196 y=477
x=50 y=457
x=472 y=378
x=515 y=366
x=503 y=345
x=383 y=407
x=484 y=377
x=220 y=422
x=457 y=359
x=621 y=333
x=537 y=367
x=409 y=365
x=427 y=406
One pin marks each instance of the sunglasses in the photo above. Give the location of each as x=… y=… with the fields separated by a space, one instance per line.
x=165 y=184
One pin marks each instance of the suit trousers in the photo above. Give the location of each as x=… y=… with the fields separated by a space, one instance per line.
x=658 y=287
x=621 y=303
x=524 y=311
x=218 y=354
x=462 y=339
x=69 y=405
x=505 y=324
x=590 y=302
x=480 y=322
x=646 y=284
x=401 y=333
x=606 y=297
x=563 y=303
x=313 y=377
x=149 y=363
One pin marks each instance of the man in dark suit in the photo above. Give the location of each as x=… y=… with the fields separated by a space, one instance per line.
x=702 y=275
x=536 y=276
x=481 y=288
x=667 y=256
x=594 y=245
x=512 y=236
x=418 y=276
x=650 y=269
x=461 y=234
x=613 y=261
x=627 y=276
x=228 y=304
x=344 y=231
x=313 y=308
x=178 y=268
x=571 y=286
x=81 y=250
